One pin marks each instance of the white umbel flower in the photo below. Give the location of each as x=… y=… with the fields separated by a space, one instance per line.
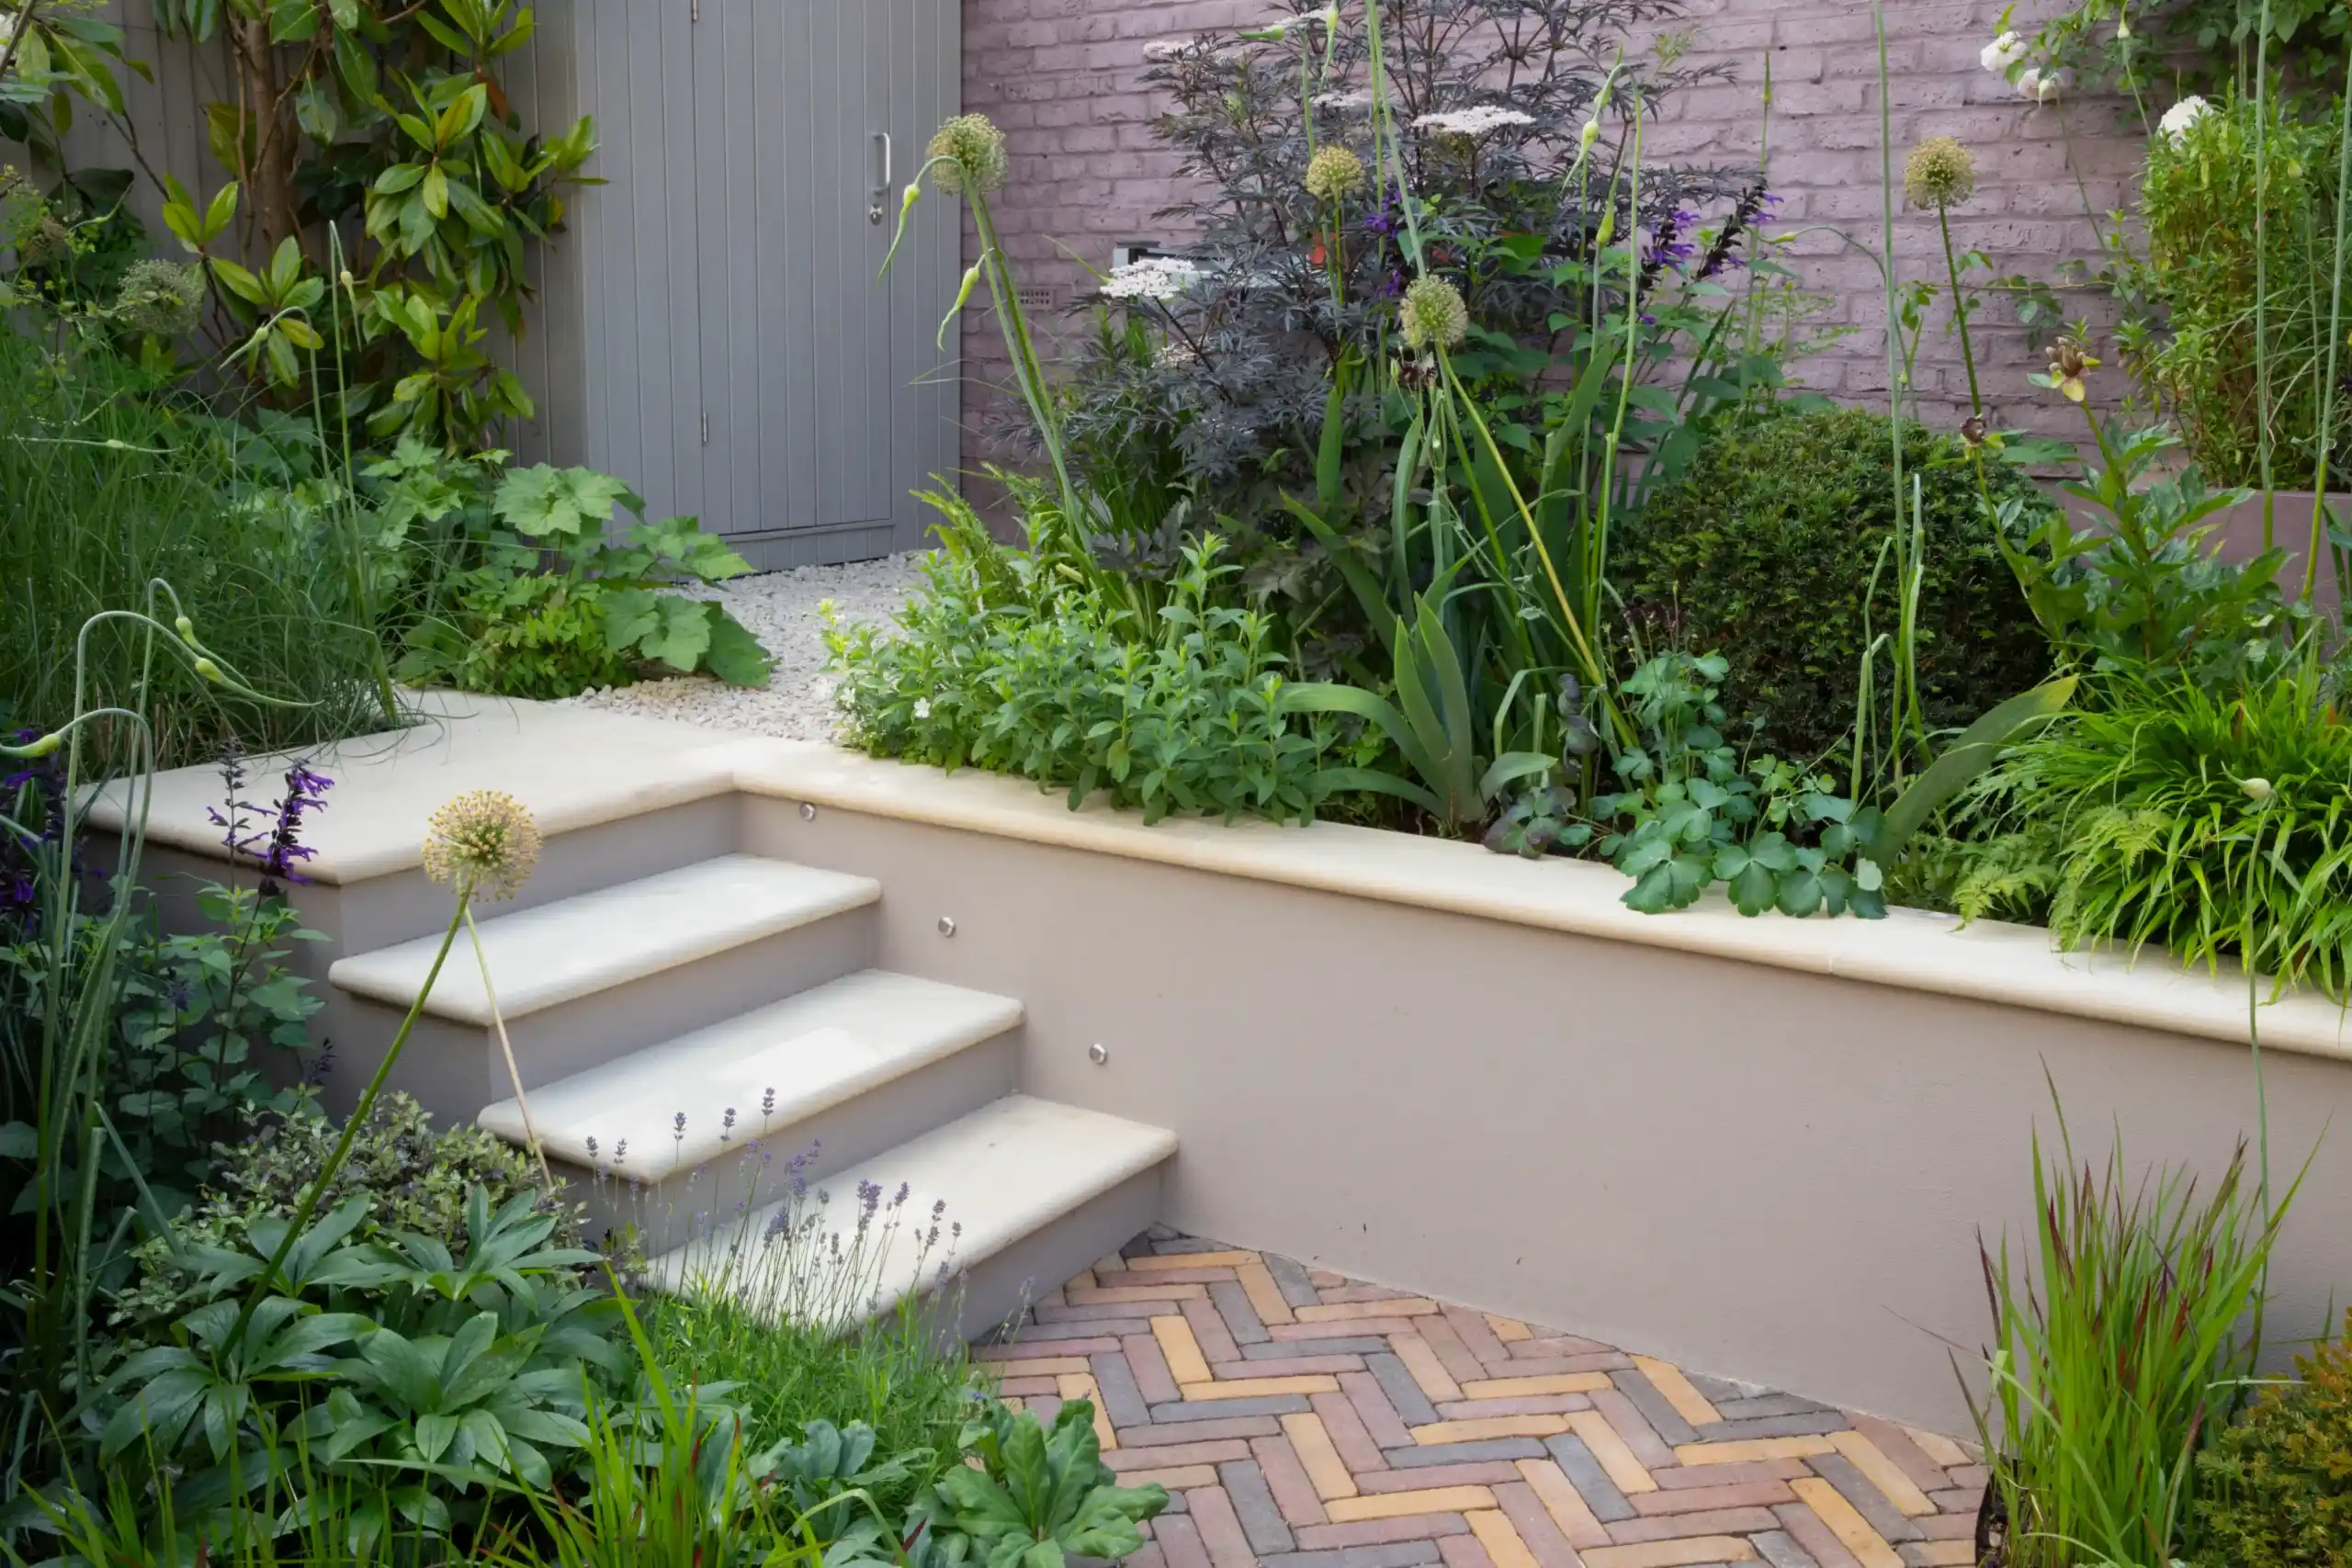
x=2003 y=52
x=1476 y=121
x=1154 y=277
x=2174 y=125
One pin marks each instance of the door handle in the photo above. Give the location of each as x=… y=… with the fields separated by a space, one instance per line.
x=881 y=177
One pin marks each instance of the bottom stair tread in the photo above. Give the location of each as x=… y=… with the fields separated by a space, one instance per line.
x=1002 y=1173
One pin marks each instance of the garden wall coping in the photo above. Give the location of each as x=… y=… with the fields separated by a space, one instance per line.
x=578 y=768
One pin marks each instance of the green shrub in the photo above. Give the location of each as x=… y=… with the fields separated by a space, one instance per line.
x=2198 y=204
x=1765 y=552
x=2276 y=1488
x=416 y=1177
x=1036 y=662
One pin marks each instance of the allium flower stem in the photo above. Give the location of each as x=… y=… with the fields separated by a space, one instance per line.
x=1959 y=313
x=506 y=1047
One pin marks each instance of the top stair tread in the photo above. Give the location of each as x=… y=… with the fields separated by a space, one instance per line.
x=813 y=1051
x=1002 y=1173
x=576 y=947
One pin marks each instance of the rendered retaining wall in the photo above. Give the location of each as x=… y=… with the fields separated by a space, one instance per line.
x=1752 y=1169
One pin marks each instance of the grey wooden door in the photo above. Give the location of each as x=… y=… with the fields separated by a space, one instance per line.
x=742 y=362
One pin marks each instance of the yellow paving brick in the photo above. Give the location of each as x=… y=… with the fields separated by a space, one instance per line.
x=1940 y=1449
x=1490 y=1426
x=1671 y=1553
x=1688 y=1402
x=1551 y=1383
x=1947 y=1553
x=1510 y=1330
x=1398 y=1505
x=1265 y=1296
x=1427 y=1370
x=1256 y=1388
x=1502 y=1541
x=1115 y=1263
x=1188 y=1260
x=1852 y=1530
x=1753 y=1449
x=1080 y=1385
x=1317 y=1456
x=1041 y=1367
x=1110 y=1293
x=1564 y=1502
x=1083 y=1280
x=1336 y=1312
x=1185 y=1362
x=1179 y=1478
x=1011 y=1402
x=1883 y=1473
x=1611 y=1451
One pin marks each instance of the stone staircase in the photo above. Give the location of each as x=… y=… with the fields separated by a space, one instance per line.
x=710 y=1056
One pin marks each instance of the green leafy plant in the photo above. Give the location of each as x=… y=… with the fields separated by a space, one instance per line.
x=2211 y=824
x=416 y=1179
x=553 y=606
x=440 y=1373
x=2275 y=1491
x=1776 y=551
x=2121 y=1355
x=1693 y=814
x=1042 y=1497
x=1054 y=679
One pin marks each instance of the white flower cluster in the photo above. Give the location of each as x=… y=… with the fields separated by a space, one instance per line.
x=1154 y=277
x=2002 y=55
x=2174 y=125
x=1476 y=121
x=1354 y=100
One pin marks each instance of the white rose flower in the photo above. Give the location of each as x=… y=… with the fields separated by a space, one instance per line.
x=2174 y=127
x=2041 y=87
x=2003 y=52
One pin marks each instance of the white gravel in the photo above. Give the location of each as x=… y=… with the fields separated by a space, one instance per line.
x=780 y=609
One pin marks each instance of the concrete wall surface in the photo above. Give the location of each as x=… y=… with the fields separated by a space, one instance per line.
x=1771 y=1176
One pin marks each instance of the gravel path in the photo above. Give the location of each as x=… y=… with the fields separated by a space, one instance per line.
x=780 y=609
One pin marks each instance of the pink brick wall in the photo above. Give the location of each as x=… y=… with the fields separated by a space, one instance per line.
x=1061 y=77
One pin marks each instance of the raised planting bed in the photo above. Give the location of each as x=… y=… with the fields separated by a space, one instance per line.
x=1763 y=1148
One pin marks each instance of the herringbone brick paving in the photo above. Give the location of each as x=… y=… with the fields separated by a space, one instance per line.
x=1300 y=1419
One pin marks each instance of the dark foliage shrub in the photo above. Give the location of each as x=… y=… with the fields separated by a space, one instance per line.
x=1773 y=550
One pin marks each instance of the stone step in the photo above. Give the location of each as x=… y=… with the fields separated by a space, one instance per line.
x=587 y=979
x=1009 y=1202
x=803 y=1087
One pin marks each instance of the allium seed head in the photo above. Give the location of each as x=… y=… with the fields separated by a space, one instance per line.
x=1334 y=173
x=1939 y=172
x=1433 y=314
x=973 y=148
x=483 y=842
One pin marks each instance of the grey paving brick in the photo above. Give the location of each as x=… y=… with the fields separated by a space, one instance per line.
x=1867 y=1500
x=1664 y=1419
x=1254 y=1505
x=1768 y=1404
x=1225 y=1409
x=1464 y=1453
x=1412 y=1405
x=1774 y=1427
x=1282 y=1350
x=1591 y=1481
x=1188 y=1244
x=1123 y=1402
x=1240 y=1317
x=1719 y=1390
x=1390 y=1554
x=1299 y=1291
x=1780 y=1549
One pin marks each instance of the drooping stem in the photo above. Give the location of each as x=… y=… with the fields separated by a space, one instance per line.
x=506 y=1046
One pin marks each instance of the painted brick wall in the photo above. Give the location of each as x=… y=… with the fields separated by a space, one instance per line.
x=1061 y=77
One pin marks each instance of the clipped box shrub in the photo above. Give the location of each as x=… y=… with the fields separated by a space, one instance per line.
x=1765 y=552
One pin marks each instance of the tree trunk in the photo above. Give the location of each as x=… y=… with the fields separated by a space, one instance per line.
x=269 y=136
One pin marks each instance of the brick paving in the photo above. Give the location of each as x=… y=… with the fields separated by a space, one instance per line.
x=1300 y=1419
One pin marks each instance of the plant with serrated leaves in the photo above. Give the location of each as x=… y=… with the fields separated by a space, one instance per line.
x=553 y=604
x=1693 y=814
x=1036 y=1498
x=436 y=1376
